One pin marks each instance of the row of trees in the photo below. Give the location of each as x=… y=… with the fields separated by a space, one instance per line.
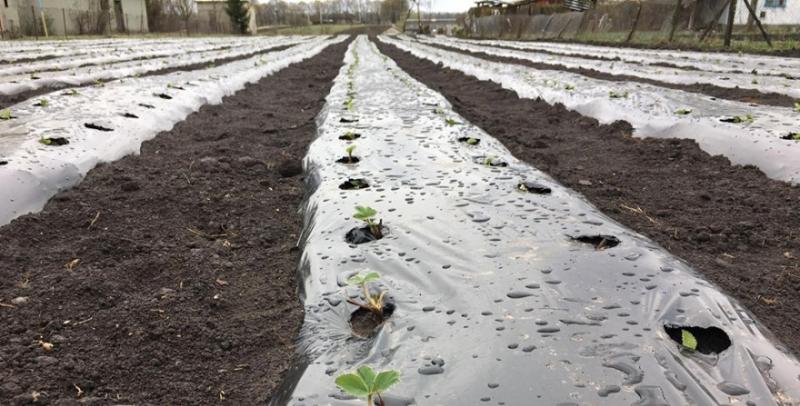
x=280 y=12
x=168 y=15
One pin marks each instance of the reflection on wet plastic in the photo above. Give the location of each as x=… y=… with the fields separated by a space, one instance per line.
x=495 y=304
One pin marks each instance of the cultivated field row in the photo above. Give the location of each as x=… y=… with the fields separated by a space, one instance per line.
x=746 y=134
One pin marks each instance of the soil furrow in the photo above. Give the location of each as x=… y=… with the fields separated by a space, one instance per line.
x=734 y=225
x=169 y=278
x=735 y=94
x=8 y=100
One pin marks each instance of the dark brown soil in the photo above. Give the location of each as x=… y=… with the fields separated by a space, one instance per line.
x=169 y=278
x=737 y=94
x=731 y=223
x=9 y=100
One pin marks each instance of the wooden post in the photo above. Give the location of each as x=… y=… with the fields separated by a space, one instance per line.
x=64 y=21
x=758 y=21
x=35 y=28
x=44 y=25
x=419 y=20
x=714 y=21
x=729 y=27
x=635 y=23
x=675 y=17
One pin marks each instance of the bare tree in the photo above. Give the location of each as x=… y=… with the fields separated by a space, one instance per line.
x=184 y=9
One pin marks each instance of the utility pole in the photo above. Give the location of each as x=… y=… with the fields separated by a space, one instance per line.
x=729 y=27
x=419 y=19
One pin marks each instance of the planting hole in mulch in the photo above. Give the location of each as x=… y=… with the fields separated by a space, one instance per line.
x=533 y=187
x=599 y=241
x=354 y=184
x=361 y=235
x=163 y=96
x=147 y=106
x=348 y=120
x=3 y=162
x=469 y=140
x=365 y=323
x=710 y=340
x=348 y=160
x=54 y=141
x=129 y=115
x=350 y=136
x=491 y=161
x=791 y=136
x=93 y=126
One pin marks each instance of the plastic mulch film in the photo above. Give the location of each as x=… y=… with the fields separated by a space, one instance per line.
x=87 y=73
x=757 y=138
x=506 y=288
x=44 y=149
x=782 y=78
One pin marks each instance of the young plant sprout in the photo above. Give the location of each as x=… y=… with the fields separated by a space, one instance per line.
x=797 y=107
x=450 y=122
x=618 y=95
x=688 y=340
x=683 y=112
x=42 y=103
x=71 y=92
x=488 y=161
x=472 y=141
x=374 y=303
x=367 y=215
x=350 y=150
x=792 y=136
x=349 y=136
x=569 y=87
x=5 y=114
x=365 y=383
x=739 y=119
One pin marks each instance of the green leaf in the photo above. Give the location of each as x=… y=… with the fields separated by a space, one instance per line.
x=688 y=340
x=371 y=276
x=797 y=107
x=472 y=141
x=350 y=149
x=368 y=375
x=385 y=380
x=364 y=213
x=569 y=87
x=43 y=103
x=355 y=280
x=683 y=112
x=5 y=114
x=353 y=384
x=450 y=122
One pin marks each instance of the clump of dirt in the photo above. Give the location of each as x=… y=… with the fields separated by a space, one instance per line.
x=731 y=223
x=169 y=277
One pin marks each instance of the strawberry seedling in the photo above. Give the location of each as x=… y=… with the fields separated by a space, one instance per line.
x=374 y=303
x=365 y=383
x=739 y=119
x=683 y=112
x=367 y=215
x=5 y=114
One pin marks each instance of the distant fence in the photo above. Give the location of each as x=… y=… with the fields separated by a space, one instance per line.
x=604 y=18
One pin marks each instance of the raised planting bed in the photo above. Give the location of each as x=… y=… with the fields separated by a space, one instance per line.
x=497 y=295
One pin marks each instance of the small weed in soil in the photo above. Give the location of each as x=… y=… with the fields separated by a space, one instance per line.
x=350 y=136
x=705 y=340
x=469 y=140
x=533 y=187
x=600 y=242
x=349 y=159
x=738 y=119
x=93 y=126
x=54 y=141
x=354 y=184
x=365 y=383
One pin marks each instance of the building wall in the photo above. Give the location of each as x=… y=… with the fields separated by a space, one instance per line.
x=770 y=12
x=73 y=17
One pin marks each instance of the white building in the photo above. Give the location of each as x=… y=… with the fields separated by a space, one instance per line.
x=770 y=12
x=72 y=17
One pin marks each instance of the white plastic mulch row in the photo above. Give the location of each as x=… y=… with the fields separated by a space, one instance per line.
x=17 y=50
x=33 y=172
x=704 y=61
x=494 y=303
x=108 y=55
x=84 y=75
x=651 y=110
x=748 y=80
